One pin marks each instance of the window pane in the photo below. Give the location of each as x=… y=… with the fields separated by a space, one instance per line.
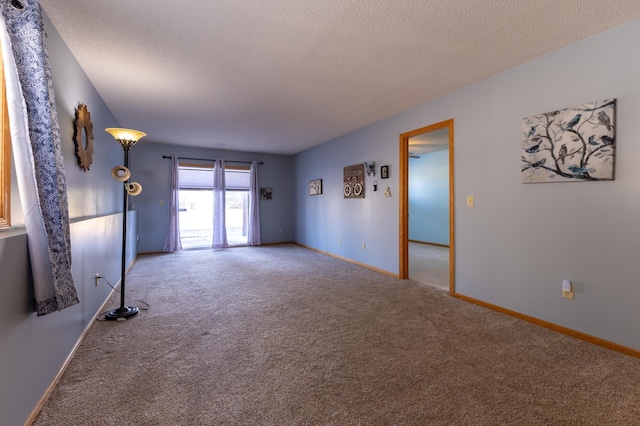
x=196 y=206
x=237 y=217
x=195 y=178
x=196 y=218
x=237 y=179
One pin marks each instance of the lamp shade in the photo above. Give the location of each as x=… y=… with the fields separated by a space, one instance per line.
x=126 y=137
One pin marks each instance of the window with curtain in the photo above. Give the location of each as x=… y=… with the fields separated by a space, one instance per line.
x=5 y=156
x=196 y=204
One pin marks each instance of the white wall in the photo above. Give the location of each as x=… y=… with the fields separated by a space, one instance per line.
x=518 y=243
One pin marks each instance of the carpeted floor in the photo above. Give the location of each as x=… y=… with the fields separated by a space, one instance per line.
x=429 y=264
x=280 y=335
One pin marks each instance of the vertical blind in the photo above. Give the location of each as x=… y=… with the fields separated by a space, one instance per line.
x=202 y=178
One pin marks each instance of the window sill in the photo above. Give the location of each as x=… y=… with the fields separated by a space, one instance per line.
x=12 y=232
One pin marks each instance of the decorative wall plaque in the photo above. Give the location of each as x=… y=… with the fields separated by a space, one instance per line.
x=83 y=137
x=353 y=184
x=265 y=193
x=315 y=187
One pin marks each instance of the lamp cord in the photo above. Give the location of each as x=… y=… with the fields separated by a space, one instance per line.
x=102 y=314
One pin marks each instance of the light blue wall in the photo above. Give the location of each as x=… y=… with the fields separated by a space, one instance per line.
x=33 y=349
x=324 y=220
x=518 y=243
x=512 y=249
x=153 y=173
x=429 y=198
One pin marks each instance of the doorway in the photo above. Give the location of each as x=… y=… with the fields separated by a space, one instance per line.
x=197 y=205
x=419 y=143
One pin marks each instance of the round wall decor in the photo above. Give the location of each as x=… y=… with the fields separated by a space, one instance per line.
x=83 y=137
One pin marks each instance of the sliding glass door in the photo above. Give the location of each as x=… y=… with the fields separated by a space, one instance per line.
x=196 y=205
x=196 y=217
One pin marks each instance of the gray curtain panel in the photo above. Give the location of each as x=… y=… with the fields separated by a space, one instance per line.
x=254 y=207
x=219 y=200
x=172 y=242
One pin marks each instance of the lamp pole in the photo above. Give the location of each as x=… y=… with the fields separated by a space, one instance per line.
x=126 y=138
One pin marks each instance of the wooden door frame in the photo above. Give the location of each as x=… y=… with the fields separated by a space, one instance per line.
x=404 y=199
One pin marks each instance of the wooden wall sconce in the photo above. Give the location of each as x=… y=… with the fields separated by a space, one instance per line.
x=83 y=137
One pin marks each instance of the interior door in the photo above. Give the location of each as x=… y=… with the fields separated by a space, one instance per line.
x=405 y=141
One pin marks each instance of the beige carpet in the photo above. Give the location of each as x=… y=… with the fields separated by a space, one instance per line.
x=429 y=264
x=281 y=335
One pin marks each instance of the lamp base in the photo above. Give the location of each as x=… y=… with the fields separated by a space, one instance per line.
x=124 y=312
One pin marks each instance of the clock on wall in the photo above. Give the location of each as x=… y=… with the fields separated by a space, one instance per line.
x=83 y=137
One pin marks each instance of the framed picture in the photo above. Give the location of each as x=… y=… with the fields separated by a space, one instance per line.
x=315 y=187
x=384 y=172
x=265 y=193
x=353 y=182
x=574 y=144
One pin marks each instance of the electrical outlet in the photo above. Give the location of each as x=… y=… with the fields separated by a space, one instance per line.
x=339 y=240
x=567 y=289
x=364 y=246
x=97 y=278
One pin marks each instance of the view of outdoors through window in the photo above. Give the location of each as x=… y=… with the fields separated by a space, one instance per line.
x=196 y=217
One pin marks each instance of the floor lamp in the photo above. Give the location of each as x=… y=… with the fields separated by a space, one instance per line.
x=127 y=138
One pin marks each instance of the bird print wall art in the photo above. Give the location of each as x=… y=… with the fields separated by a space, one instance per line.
x=570 y=145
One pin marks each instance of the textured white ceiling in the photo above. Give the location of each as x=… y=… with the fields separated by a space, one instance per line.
x=281 y=76
x=436 y=140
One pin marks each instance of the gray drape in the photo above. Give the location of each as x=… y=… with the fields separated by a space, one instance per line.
x=219 y=207
x=172 y=241
x=37 y=154
x=253 y=238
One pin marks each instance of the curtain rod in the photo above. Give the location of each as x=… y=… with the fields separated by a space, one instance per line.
x=207 y=159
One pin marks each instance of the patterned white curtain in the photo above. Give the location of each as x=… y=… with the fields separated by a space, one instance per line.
x=172 y=242
x=219 y=207
x=37 y=154
x=254 y=207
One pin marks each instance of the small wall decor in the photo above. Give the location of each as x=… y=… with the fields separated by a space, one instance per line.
x=83 y=137
x=570 y=145
x=265 y=193
x=353 y=183
x=370 y=168
x=315 y=187
x=384 y=172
